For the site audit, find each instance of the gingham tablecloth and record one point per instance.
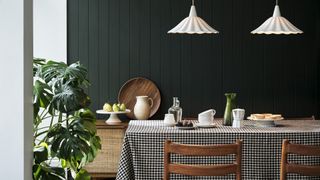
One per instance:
(142, 151)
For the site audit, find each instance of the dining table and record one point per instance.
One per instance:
(142, 150)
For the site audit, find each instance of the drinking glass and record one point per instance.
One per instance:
(238, 115)
(169, 119)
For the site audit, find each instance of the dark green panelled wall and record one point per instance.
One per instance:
(121, 39)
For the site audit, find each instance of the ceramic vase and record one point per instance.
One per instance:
(231, 104)
(143, 107)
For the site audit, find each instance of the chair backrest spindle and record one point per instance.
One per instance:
(201, 150)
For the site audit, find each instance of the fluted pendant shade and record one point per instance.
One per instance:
(277, 25)
(193, 24)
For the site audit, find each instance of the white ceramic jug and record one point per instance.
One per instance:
(143, 107)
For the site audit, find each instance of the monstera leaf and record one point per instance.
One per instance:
(42, 97)
(76, 143)
(68, 98)
(41, 94)
(40, 153)
(45, 172)
(74, 73)
(77, 74)
(37, 63)
(52, 70)
(41, 170)
(82, 175)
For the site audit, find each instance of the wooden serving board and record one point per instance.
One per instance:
(139, 86)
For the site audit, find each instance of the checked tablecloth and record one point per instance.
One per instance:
(142, 151)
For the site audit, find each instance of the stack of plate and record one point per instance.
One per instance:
(265, 119)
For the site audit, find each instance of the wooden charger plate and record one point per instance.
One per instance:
(139, 87)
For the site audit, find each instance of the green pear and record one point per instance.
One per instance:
(107, 107)
(123, 107)
(115, 108)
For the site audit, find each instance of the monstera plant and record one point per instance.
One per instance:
(64, 127)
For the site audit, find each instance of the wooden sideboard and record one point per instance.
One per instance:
(106, 163)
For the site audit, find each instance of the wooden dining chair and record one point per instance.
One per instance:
(201, 150)
(307, 150)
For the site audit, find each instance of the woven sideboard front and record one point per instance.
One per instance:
(107, 161)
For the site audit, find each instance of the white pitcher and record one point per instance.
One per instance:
(143, 107)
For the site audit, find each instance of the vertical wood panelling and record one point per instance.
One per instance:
(155, 34)
(237, 34)
(144, 38)
(207, 69)
(216, 60)
(228, 76)
(245, 38)
(114, 48)
(175, 50)
(93, 51)
(124, 56)
(257, 66)
(134, 37)
(120, 39)
(73, 25)
(165, 47)
(103, 70)
(83, 29)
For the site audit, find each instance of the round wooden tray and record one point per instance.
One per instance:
(139, 86)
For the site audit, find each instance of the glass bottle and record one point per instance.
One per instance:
(176, 110)
(227, 118)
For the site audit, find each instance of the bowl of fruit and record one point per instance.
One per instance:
(113, 111)
(185, 125)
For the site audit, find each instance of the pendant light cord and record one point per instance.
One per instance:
(276, 2)
(193, 2)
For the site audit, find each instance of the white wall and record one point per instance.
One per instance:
(50, 29)
(16, 52)
(16, 89)
(50, 33)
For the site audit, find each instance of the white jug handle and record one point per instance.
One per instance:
(151, 102)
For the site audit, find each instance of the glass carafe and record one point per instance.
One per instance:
(176, 110)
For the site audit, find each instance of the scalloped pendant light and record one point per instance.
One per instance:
(193, 24)
(277, 25)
